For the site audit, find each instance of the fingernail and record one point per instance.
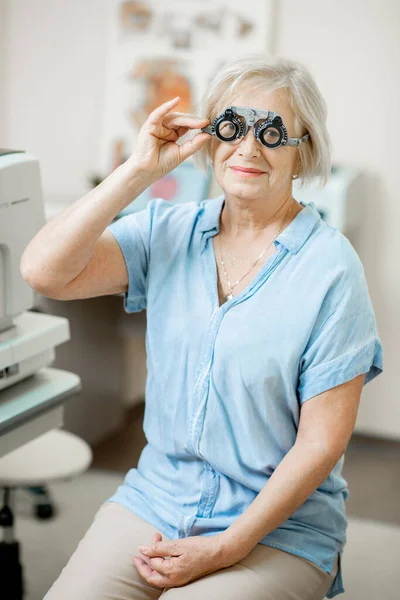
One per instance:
(143, 549)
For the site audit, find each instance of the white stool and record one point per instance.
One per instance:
(54, 455)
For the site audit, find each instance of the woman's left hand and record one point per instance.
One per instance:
(190, 558)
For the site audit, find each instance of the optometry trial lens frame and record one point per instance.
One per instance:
(271, 124)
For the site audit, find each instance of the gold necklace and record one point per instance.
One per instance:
(232, 286)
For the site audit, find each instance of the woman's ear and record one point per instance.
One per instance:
(212, 150)
(297, 165)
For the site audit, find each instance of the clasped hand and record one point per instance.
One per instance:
(177, 562)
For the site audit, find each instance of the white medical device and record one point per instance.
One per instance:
(27, 339)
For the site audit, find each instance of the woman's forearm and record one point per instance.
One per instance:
(297, 476)
(63, 247)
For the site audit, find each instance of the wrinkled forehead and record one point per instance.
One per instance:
(276, 101)
(251, 114)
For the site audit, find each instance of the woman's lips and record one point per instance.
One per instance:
(245, 173)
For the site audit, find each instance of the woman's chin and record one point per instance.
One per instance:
(244, 190)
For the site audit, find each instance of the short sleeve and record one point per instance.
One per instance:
(133, 233)
(344, 342)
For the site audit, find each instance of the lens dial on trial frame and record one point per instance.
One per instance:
(271, 133)
(233, 123)
(228, 126)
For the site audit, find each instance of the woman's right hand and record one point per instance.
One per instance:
(156, 150)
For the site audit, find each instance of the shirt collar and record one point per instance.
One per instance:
(293, 237)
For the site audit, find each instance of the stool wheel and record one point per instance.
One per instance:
(44, 511)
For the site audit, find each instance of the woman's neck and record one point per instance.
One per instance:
(247, 217)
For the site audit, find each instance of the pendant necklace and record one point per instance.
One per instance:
(232, 286)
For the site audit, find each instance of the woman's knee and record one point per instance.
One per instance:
(102, 566)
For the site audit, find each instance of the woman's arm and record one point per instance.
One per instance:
(62, 249)
(326, 424)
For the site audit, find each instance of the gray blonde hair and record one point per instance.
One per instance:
(263, 73)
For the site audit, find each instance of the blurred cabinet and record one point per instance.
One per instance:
(339, 202)
(106, 350)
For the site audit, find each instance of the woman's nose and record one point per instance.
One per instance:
(248, 145)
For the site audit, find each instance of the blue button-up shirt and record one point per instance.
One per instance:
(225, 383)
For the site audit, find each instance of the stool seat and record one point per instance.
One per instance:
(56, 454)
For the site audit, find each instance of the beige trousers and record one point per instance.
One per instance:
(102, 569)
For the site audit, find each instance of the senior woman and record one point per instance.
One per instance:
(260, 336)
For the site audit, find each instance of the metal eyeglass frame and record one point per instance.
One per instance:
(251, 117)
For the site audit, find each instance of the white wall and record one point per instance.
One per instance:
(353, 50)
(55, 87)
